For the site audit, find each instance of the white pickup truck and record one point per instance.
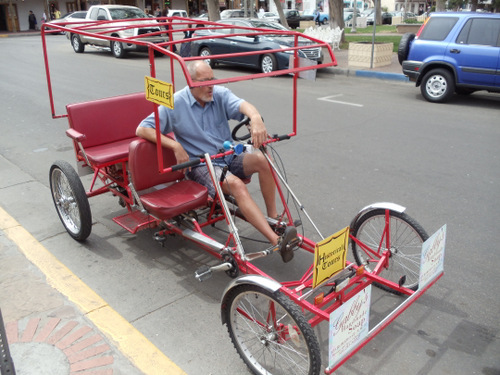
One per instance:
(116, 12)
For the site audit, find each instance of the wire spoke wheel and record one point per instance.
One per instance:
(405, 241)
(70, 200)
(270, 333)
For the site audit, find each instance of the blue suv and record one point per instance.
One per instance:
(453, 53)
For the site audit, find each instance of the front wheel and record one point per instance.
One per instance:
(117, 49)
(70, 199)
(437, 86)
(380, 230)
(270, 333)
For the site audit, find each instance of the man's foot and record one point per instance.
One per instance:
(287, 242)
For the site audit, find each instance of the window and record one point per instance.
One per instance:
(480, 31)
(438, 28)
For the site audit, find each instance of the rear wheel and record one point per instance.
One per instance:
(405, 241)
(270, 333)
(117, 49)
(268, 63)
(437, 86)
(204, 52)
(77, 44)
(70, 199)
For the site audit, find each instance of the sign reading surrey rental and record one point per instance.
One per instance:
(159, 92)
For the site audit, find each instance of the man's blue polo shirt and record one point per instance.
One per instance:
(199, 129)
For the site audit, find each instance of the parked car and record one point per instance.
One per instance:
(72, 17)
(237, 13)
(232, 44)
(292, 18)
(112, 13)
(270, 16)
(307, 15)
(177, 13)
(453, 52)
(386, 18)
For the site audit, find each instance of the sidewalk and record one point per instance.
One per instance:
(55, 324)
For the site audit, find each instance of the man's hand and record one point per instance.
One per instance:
(258, 131)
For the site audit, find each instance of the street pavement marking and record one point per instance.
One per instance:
(132, 343)
(330, 99)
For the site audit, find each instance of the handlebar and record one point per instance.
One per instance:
(185, 165)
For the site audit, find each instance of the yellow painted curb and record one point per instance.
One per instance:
(132, 343)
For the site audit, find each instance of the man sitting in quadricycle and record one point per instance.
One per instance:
(200, 125)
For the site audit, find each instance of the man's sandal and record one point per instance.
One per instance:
(287, 242)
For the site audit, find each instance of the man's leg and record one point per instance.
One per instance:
(257, 163)
(236, 187)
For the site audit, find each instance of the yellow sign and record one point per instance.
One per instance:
(159, 92)
(330, 256)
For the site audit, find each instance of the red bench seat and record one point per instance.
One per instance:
(106, 127)
(167, 202)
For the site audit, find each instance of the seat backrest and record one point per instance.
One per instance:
(143, 165)
(109, 120)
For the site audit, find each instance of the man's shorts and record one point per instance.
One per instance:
(201, 174)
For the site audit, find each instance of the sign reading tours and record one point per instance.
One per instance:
(330, 256)
(432, 260)
(159, 92)
(349, 325)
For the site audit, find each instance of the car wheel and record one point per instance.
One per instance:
(324, 22)
(404, 46)
(77, 44)
(437, 86)
(267, 63)
(117, 49)
(204, 52)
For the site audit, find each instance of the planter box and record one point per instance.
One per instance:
(360, 54)
(305, 24)
(408, 27)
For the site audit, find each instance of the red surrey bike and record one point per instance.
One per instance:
(270, 322)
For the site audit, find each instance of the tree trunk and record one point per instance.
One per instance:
(440, 5)
(279, 8)
(473, 5)
(213, 10)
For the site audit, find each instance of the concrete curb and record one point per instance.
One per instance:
(371, 74)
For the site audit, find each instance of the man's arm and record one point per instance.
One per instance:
(150, 134)
(258, 130)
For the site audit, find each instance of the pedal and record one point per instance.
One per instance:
(297, 223)
(402, 280)
(203, 273)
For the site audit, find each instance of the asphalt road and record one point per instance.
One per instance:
(359, 141)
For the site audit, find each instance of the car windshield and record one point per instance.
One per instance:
(126, 13)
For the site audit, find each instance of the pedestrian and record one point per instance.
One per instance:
(316, 16)
(32, 20)
(57, 14)
(200, 124)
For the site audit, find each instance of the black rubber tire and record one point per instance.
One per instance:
(205, 51)
(117, 49)
(70, 200)
(437, 86)
(404, 46)
(267, 347)
(77, 44)
(268, 63)
(407, 237)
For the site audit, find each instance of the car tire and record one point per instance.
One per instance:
(205, 51)
(77, 44)
(404, 46)
(117, 49)
(268, 63)
(325, 21)
(437, 86)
